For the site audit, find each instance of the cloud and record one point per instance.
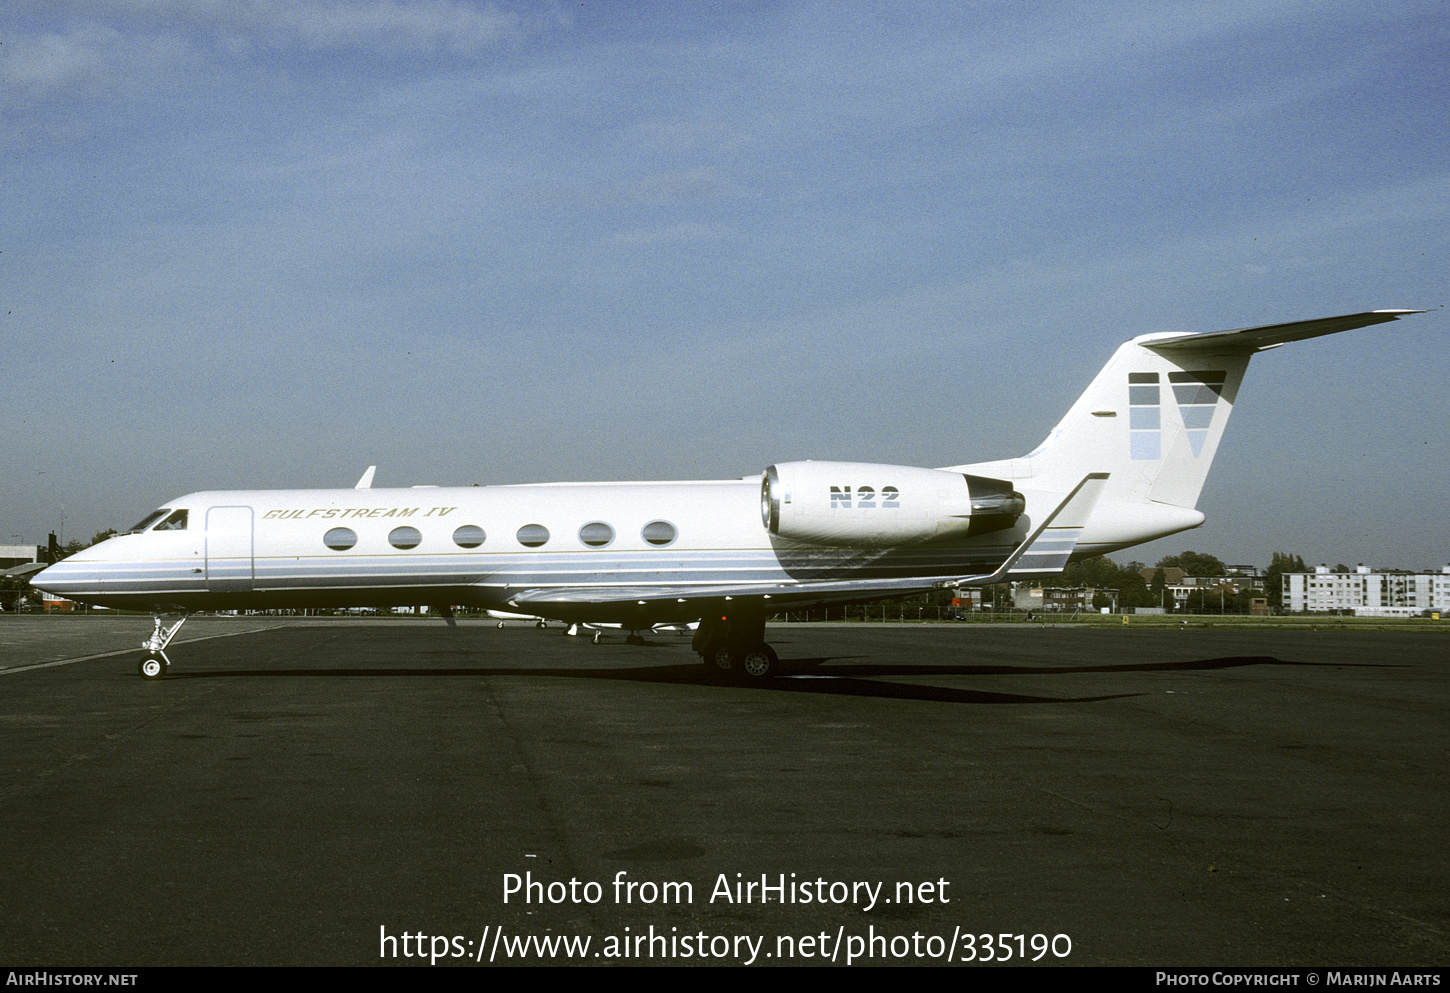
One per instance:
(90, 37)
(37, 64)
(382, 25)
(683, 186)
(673, 188)
(677, 233)
(675, 136)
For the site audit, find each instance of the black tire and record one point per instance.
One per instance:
(724, 660)
(759, 662)
(152, 667)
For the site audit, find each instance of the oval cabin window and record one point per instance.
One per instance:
(469, 536)
(659, 532)
(405, 537)
(596, 534)
(533, 535)
(340, 539)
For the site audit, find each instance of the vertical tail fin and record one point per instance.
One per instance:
(1152, 419)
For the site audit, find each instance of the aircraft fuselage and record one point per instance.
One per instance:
(256, 549)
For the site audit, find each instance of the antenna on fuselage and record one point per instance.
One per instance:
(366, 483)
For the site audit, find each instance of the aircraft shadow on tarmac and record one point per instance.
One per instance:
(844, 678)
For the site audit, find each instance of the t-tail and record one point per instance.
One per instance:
(1152, 420)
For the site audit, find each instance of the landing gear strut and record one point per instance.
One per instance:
(733, 644)
(575, 629)
(154, 666)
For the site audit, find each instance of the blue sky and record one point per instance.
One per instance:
(267, 244)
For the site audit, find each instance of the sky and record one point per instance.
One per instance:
(266, 244)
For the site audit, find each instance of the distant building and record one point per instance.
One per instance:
(1059, 598)
(1172, 575)
(13, 555)
(1366, 593)
(1181, 586)
(967, 598)
(1249, 577)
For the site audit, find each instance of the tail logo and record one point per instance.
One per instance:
(1196, 394)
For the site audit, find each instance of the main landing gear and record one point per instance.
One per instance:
(575, 629)
(733, 644)
(154, 666)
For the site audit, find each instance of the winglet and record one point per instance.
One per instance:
(366, 483)
(1049, 547)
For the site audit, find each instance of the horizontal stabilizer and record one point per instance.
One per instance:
(1273, 335)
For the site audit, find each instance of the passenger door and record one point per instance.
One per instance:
(229, 549)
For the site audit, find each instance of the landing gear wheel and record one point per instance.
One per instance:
(724, 659)
(152, 667)
(540, 625)
(597, 636)
(759, 662)
(500, 625)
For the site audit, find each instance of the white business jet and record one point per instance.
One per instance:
(1123, 467)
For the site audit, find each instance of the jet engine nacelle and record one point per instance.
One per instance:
(861, 504)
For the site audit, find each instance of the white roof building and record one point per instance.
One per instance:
(13, 555)
(1365, 593)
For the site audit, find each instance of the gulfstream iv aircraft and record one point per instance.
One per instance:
(1124, 466)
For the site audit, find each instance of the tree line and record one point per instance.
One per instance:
(1134, 590)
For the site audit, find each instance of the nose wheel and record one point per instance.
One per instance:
(154, 666)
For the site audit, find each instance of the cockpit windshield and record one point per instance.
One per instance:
(147, 521)
(176, 522)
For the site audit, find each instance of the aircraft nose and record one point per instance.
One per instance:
(61, 578)
(31, 572)
(50, 574)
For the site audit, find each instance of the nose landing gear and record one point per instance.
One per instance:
(154, 666)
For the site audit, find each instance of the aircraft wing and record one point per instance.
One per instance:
(1273, 335)
(1046, 549)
